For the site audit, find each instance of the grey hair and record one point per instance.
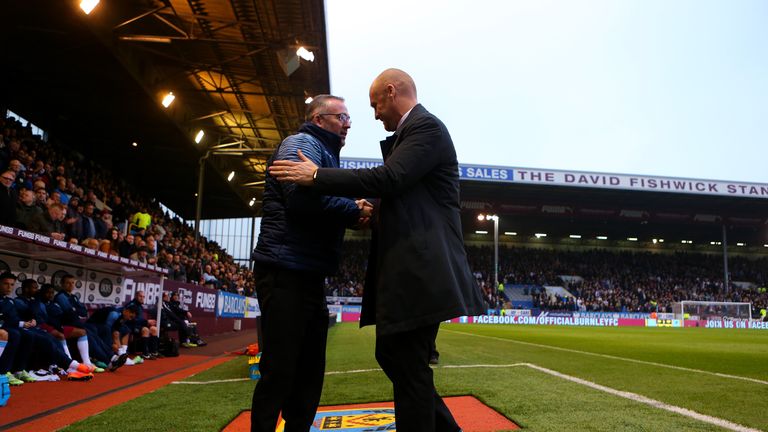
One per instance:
(318, 103)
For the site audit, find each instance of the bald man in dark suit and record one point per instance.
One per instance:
(418, 273)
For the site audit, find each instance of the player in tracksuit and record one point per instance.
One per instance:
(112, 324)
(52, 314)
(143, 332)
(8, 348)
(31, 341)
(73, 310)
(29, 307)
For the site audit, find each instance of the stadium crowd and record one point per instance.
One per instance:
(616, 281)
(598, 279)
(50, 190)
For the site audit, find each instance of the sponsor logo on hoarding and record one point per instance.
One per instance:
(206, 301)
(546, 320)
(231, 305)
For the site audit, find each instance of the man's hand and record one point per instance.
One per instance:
(301, 173)
(57, 236)
(30, 324)
(366, 210)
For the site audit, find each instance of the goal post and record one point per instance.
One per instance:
(707, 310)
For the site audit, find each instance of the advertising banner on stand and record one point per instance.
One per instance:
(230, 305)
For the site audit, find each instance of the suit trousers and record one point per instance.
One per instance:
(404, 357)
(294, 325)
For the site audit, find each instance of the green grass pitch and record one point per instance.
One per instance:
(701, 370)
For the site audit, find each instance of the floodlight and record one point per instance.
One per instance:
(135, 144)
(168, 99)
(308, 100)
(305, 54)
(253, 201)
(510, 233)
(481, 217)
(88, 5)
(602, 237)
(632, 238)
(288, 61)
(540, 235)
(575, 236)
(481, 232)
(231, 176)
(199, 136)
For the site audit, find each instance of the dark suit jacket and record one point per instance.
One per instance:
(417, 272)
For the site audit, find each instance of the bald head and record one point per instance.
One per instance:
(402, 82)
(392, 94)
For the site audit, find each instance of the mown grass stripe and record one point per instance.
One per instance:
(612, 357)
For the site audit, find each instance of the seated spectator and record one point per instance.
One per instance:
(88, 226)
(106, 247)
(178, 270)
(41, 198)
(141, 255)
(49, 223)
(127, 246)
(90, 243)
(208, 277)
(8, 199)
(26, 210)
(61, 188)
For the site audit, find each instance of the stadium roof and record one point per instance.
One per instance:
(96, 81)
(560, 212)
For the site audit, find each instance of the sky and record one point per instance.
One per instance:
(675, 88)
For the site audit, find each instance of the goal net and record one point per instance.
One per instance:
(712, 310)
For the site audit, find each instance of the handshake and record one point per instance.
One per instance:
(366, 211)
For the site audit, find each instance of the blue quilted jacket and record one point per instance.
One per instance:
(302, 229)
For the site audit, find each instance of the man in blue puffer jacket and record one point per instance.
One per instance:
(299, 245)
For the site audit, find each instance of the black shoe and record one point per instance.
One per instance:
(118, 362)
(434, 360)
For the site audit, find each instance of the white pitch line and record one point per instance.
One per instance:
(211, 382)
(608, 356)
(648, 401)
(353, 371)
(620, 393)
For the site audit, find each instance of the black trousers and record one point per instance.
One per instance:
(404, 357)
(294, 325)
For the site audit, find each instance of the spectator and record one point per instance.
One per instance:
(140, 221)
(141, 255)
(8, 199)
(49, 222)
(127, 246)
(26, 210)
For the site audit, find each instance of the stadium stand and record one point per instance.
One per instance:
(101, 212)
(591, 280)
